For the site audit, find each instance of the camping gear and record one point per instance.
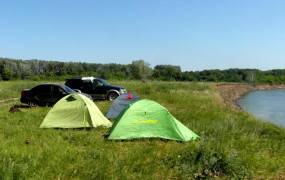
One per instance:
(120, 104)
(75, 111)
(17, 108)
(148, 119)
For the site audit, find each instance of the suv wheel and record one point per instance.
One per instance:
(112, 96)
(30, 103)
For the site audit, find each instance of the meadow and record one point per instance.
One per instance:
(232, 144)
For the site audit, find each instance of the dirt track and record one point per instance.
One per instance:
(4, 101)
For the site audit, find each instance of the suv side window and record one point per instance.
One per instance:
(74, 83)
(87, 86)
(97, 83)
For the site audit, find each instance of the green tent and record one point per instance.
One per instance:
(74, 111)
(148, 119)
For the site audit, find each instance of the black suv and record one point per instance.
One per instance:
(96, 87)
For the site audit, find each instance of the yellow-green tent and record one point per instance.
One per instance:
(75, 111)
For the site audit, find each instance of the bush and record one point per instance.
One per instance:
(204, 162)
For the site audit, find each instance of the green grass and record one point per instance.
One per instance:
(232, 144)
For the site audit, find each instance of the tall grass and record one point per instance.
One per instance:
(232, 144)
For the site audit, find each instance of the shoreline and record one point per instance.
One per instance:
(232, 92)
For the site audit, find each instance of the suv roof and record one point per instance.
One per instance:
(83, 78)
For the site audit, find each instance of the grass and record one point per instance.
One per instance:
(232, 145)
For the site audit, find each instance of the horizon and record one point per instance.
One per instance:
(152, 66)
(194, 35)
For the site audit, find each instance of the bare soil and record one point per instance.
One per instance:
(232, 92)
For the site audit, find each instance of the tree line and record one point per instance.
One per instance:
(12, 69)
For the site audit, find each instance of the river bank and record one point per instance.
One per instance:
(232, 92)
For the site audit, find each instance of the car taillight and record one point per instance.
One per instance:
(23, 93)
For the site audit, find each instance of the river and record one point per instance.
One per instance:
(268, 105)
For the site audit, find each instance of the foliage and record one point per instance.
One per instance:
(167, 72)
(140, 70)
(11, 69)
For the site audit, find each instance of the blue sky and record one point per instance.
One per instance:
(195, 34)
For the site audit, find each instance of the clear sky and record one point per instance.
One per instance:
(195, 34)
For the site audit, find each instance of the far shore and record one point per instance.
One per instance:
(232, 92)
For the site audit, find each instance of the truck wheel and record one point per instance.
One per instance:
(112, 96)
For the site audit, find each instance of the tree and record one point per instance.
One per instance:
(140, 69)
(167, 72)
(6, 74)
(250, 76)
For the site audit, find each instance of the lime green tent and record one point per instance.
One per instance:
(148, 119)
(74, 111)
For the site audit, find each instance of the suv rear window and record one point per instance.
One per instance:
(74, 83)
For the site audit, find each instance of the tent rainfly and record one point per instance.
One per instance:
(120, 104)
(148, 119)
(75, 111)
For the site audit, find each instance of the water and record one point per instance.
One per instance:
(268, 105)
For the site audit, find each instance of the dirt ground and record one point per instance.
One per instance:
(231, 92)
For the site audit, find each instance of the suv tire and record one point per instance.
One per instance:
(112, 96)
